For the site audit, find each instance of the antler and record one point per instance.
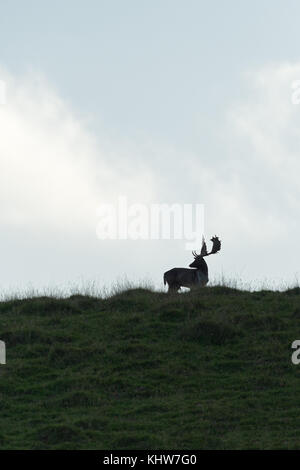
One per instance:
(215, 248)
(203, 250)
(216, 245)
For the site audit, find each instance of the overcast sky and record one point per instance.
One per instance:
(161, 101)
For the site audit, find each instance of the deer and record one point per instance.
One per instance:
(196, 277)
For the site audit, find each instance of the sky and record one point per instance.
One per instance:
(159, 102)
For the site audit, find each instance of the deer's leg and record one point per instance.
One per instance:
(173, 288)
(202, 279)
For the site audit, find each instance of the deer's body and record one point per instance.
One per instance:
(184, 277)
(191, 278)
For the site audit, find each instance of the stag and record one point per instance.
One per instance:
(192, 278)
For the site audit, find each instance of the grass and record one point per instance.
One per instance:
(147, 370)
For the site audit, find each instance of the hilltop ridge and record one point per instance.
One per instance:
(209, 369)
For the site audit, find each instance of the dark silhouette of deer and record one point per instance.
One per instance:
(192, 278)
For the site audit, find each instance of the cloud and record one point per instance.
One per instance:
(263, 133)
(54, 173)
(249, 182)
(261, 138)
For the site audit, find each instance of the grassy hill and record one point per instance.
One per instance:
(144, 370)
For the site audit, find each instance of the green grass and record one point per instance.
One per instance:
(147, 370)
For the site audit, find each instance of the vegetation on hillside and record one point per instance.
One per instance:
(209, 369)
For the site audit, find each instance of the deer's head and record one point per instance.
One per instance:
(198, 259)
